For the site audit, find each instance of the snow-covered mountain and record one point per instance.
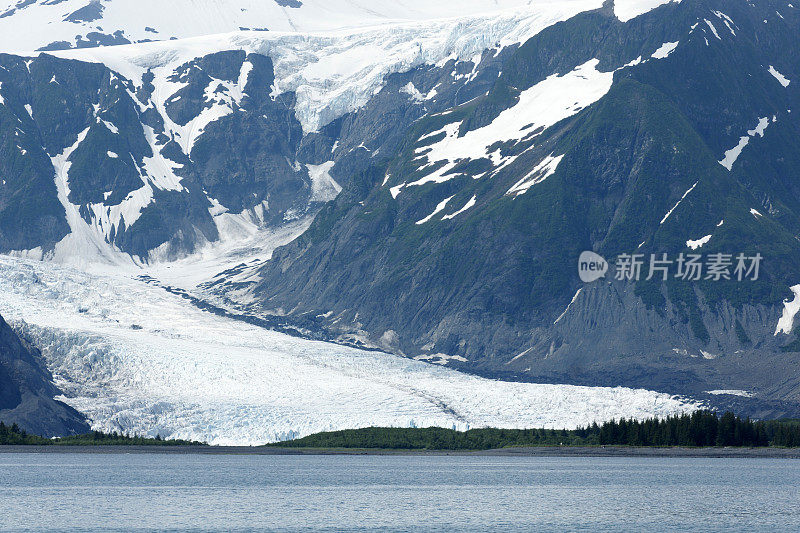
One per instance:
(166, 147)
(430, 173)
(673, 132)
(162, 148)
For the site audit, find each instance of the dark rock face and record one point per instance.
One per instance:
(150, 175)
(91, 11)
(129, 177)
(27, 391)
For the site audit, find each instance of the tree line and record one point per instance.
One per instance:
(699, 429)
(14, 435)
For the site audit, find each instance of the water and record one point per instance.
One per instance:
(98, 492)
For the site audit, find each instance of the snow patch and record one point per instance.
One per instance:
(695, 245)
(414, 93)
(440, 358)
(727, 21)
(783, 80)
(733, 154)
(569, 306)
(790, 309)
(469, 205)
(626, 10)
(731, 392)
(713, 28)
(395, 191)
(665, 50)
(541, 172)
(323, 187)
(541, 106)
(760, 128)
(679, 202)
(439, 208)
(111, 127)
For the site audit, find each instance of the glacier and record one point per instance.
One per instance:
(138, 359)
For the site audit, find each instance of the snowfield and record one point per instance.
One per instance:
(137, 20)
(539, 107)
(136, 358)
(336, 72)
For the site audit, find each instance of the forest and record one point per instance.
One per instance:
(14, 435)
(700, 429)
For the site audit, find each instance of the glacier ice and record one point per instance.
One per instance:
(323, 187)
(136, 358)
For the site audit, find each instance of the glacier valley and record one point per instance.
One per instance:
(137, 359)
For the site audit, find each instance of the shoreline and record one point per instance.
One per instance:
(554, 451)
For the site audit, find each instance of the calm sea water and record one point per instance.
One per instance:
(92, 492)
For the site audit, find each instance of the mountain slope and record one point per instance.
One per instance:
(162, 148)
(598, 135)
(454, 169)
